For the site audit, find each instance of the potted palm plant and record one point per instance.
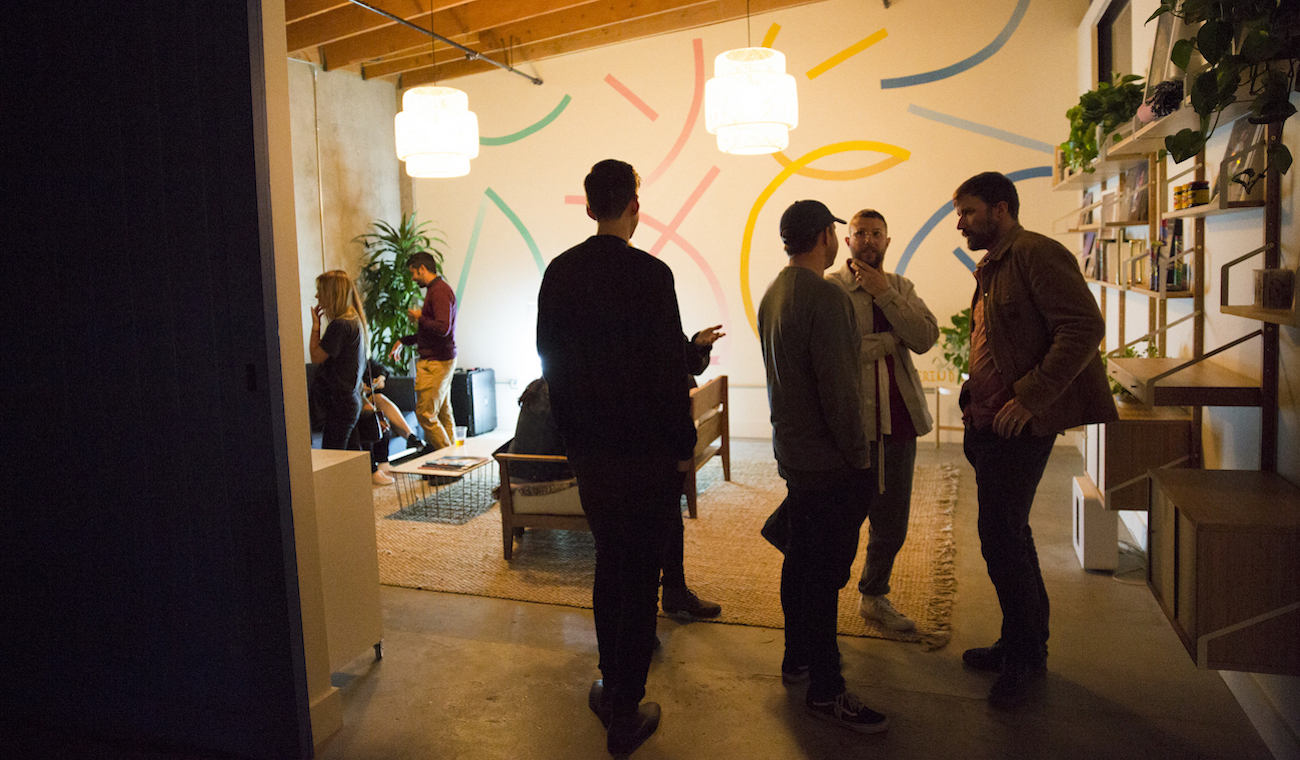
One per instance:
(387, 290)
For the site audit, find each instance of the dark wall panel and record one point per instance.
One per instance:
(147, 586)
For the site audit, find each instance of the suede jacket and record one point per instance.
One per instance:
(1044, 330)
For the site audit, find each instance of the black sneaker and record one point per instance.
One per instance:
(1016, 682)
(627, 731)
(595, 697)
(985, 658)
(847, 710)
(684, 603)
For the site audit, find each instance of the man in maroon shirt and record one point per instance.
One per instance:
(435, 337)
(1034, 372)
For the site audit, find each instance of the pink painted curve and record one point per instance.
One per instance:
(697, 100)
(632, 98)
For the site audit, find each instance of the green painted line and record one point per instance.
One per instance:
(473, 245)
(526, 131)
(519, 225)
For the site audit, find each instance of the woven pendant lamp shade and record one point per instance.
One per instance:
(436, 132)
(751, 103)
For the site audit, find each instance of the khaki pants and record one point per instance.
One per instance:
(433, 400)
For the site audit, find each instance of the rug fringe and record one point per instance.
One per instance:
(939, 607)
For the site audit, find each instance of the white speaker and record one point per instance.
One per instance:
(1096, 530)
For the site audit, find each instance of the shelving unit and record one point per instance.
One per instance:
(1224, 564)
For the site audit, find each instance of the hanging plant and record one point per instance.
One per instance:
(1251, 48)
(387, 289)
(1107, 107)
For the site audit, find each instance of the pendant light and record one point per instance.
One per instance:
(751, 104)
(436, 133)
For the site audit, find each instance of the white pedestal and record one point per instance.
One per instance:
(349, 556)
(1096, 530)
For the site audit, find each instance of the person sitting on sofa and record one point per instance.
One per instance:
(537, 433)
(378, 375)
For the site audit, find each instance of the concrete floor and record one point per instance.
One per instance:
(468, 678)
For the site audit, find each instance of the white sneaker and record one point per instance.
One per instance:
(381, 478)
(879, 609)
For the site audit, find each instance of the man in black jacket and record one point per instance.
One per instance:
(610, 338)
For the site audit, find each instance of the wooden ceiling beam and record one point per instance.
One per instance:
(693, 17)
(465, 18)
(300, 9)
(350, 19)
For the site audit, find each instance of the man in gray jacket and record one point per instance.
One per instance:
(810, 348)
(894, 323)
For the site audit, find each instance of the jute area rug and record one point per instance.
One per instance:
(727, 561)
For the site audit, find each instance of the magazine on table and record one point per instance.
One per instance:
(457, 463)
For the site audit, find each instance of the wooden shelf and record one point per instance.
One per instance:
(1157, 294)
(1200, 384)
(1209, 209)
(1289, 317)
(1105, 283)
(1102, 170)
(1151, 137)
(1224, 564)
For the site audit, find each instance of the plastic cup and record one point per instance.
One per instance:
(461, 432)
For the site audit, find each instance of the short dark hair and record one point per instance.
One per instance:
(611, 185)
(870, 213)
(422, 259)
(992, 188)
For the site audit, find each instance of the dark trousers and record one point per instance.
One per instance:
(675, 554)
(631, 504)
(889, 514)
(338, 419)
(1007, 471)
(823, 520)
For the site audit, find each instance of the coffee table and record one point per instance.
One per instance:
(451, 493)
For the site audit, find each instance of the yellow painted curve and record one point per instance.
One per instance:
(790, 168)
(897, 156)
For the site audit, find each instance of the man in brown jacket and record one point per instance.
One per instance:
(1034, 372)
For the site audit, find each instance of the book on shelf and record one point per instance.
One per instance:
(458, 464)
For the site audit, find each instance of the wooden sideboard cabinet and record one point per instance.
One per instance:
(1119, 454)
(1224, 564)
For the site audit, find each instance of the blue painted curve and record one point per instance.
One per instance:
(946, 209)
(960, 66)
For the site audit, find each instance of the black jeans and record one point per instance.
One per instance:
(630, 504)
(339, 419)
(1007, 472)
(823, 520)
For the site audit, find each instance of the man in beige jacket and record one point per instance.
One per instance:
(894, 323)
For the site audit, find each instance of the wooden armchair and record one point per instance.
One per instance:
(535, 505)
(712, 414)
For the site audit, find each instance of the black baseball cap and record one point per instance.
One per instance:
(804, 220)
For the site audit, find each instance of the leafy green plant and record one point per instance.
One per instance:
(387, 290)
(955, 343)
(1109, 106)
(1263, 62)
(1129, 352)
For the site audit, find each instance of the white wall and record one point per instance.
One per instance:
(1023, 89)
(345, 170)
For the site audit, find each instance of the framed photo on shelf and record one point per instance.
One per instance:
(1088, 253)
(1085, 217)
(1243, 161)
(1136, 190)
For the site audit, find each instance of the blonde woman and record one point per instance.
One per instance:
(341, 354)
